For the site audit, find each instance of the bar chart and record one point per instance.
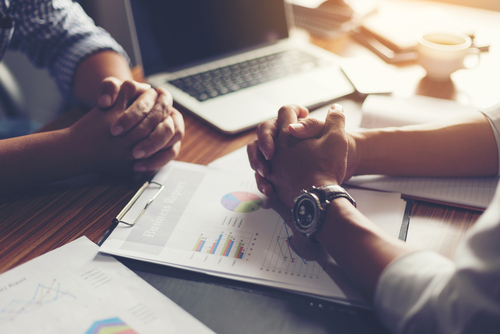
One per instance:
(225, 243)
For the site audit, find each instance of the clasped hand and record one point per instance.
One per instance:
(134, 128)
(294, 152)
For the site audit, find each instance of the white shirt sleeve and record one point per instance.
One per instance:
(424, 292)
(493, 115)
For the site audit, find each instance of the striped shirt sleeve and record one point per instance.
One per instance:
(58, 35)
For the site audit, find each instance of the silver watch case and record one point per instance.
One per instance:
(310, 207)
(308, 213)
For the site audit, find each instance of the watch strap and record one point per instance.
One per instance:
(332, 192)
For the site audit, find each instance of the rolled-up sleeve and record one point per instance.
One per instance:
(58, 35)
(424, 292)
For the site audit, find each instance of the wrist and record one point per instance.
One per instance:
(80, 152)
(335, 218)
(356, 144)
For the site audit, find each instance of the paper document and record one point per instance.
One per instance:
(383, 209)
(217, 222)
(473, 192)
(74, 290)
(385, 111)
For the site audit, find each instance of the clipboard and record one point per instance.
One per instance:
(119, 219)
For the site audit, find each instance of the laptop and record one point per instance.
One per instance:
(231, 62)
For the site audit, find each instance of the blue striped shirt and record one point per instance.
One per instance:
(56, 35)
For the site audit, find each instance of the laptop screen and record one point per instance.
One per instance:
(175, 34)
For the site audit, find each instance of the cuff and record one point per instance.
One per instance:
(407, 285)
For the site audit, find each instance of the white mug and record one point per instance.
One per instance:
(442, 53)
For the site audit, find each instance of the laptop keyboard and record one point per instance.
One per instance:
(224, 80)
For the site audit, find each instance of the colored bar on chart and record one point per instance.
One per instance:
(238, 253)
(226, 245)
(197, 245)
(215, 245)
(200, 247)
(229, 248)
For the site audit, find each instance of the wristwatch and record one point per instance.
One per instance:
(310, 207)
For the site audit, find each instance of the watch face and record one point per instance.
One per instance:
(305, 212)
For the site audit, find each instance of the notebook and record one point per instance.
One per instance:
(232, 63)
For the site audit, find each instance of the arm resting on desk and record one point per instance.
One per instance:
(461, 146)
(87, 146)
(414, 292)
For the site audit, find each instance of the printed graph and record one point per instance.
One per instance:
(110, 326)
(44, 294)
(295, 256)
(241, 202)
(229, 244)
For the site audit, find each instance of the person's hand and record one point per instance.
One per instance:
(95, 149)
(163, 144)
(297, 164)
(262, 150)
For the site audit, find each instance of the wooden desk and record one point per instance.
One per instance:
(42, 219)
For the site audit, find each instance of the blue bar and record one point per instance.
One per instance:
(202, 244)
(241, 256)
(230, 246)
(217, 244)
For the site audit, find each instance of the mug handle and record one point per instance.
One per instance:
(473, 52)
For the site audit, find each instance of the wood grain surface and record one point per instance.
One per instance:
(39, 220)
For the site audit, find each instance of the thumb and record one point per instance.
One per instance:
(109, 92)
(127, 94)
(110, 88)
(307, 128)
(335, 119)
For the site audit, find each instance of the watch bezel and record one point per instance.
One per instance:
(317, 213)
(320, 197)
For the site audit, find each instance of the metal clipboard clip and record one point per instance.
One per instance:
(134, 199)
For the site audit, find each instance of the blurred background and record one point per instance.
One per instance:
(37, 96)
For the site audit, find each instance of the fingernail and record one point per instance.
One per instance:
(260, 170)
(144, 86)
(139, 168)
(337, 107)
(116, 130)
(105, 100)
(265, 154)
(263, 190)
(138, 154)
(298, 127)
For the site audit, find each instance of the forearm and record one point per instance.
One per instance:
(93, 70)
(35, 159)
(464, 146)
(358, 246)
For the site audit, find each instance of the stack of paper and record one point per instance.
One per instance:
(384, 111)
(74, 290)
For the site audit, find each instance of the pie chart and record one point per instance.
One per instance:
(241, 202)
